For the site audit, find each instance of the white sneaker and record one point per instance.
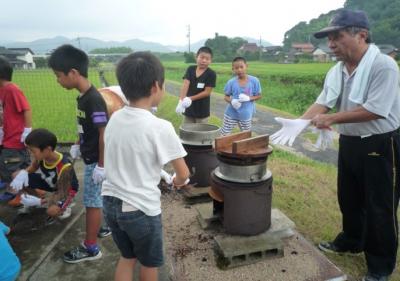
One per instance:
(66, 214)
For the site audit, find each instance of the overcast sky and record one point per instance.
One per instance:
(162, 21)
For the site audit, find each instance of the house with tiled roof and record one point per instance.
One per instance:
(21, 58)
(323, 53)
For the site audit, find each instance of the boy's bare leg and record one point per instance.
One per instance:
(124, 270)
(93, 222)
(148, 273)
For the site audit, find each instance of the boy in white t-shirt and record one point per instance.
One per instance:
(137, 145)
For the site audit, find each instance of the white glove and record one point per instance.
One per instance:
(1, 135)
(75, 151)
(180, 185)
(186, 102)
(25, 133)
(325, 138)
(179, 108)
(291, 128)
(30, 200)
(166, 177)
(98, 175)
(244, 98)
(236, 104)
(20, 180)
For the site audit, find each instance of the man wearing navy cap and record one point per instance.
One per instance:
(364, 88)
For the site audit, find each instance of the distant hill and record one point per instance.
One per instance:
(43, 46)
(46, 45)
(384, 16)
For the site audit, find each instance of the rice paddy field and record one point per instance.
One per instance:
(287, 87)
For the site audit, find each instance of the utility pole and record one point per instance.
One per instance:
(188, 36)
(79, 41)
(260, 50)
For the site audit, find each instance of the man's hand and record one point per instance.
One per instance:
(30, 200)
(20, 181)
(244, 98)
(322, 121)
(236, 104)
(75, 151)
(98, 175)
(291, 128)
(25, 133)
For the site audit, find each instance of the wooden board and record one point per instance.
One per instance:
(251, 146)
(224, 144)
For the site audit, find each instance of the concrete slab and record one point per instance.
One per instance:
(193, 254)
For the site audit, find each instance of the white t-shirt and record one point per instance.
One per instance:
(137, 145)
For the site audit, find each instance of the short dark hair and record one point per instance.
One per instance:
(67, 57)
(41, 138)
(239, 59)
(137, 73)
(206, 50)
(6, 69)
(353, 30)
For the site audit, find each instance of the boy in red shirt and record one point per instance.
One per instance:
(16, 122)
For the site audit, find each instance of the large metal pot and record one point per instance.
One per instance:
(242, 174)
(198, 134)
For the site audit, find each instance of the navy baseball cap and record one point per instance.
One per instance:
(344, 18)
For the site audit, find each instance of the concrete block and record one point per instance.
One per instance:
(236, 251)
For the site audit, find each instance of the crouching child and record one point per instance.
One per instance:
(50, 171)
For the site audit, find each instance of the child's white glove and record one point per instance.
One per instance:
(25, 133)
(98, 175)
(179, 185)
(75, 151)
(30, 200)
(325, 138)
(20, 180)
(236, 104)
(166, 177)
(244, 98)
(1, 135)
(291, 128)
(186, 102)
(179, 108)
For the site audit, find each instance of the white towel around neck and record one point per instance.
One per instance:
(333, 83)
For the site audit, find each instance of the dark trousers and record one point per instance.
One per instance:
(368, 194)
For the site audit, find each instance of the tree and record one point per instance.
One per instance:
(40, 62)
(224, 48)
(384, 17)
(112, 50)
(189, 57)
